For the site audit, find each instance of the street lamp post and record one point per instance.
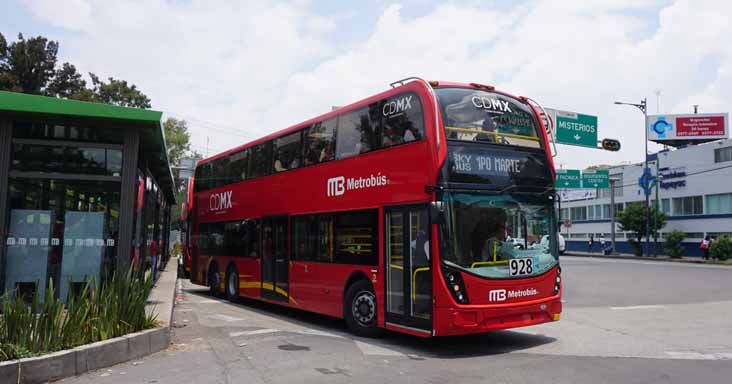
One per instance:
(612, 180)
(643, 108)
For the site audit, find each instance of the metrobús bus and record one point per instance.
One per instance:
(426, 209)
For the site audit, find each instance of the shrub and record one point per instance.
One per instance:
(97, 312)
(673, 244)
(637, 247)
(721, 248)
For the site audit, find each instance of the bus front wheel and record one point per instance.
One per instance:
(360, 309)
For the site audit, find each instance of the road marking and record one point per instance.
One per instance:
(632, 307)
(315, 332)
(375, 350)
(206, 301)
(691, 355)
(226, 318)
(254, 332)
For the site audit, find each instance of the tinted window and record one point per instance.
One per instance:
(355, 238)
(356, 132)
(475, 115)
(219, 172)
(202, 179)
(260, 163)
(66, 159)
(232, 238)
(27, 130)
(238, 165)
(319, 142)
(287, 152)
(403, 119)
(305, 238)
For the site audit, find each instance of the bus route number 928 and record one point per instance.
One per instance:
(521, 267)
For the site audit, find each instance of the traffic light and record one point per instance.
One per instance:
(611, 145)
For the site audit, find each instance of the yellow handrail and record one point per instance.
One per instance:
(414, 281)
(494, 133)
(499, 262)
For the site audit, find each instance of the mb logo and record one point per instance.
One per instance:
(336, 186)
(497, 295)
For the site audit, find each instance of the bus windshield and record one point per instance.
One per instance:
(476, 115)
(482, 234)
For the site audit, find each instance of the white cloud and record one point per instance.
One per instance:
(260, 66)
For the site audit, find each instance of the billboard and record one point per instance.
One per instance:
(688, 129)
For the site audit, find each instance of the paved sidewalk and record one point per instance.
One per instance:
(626, 256)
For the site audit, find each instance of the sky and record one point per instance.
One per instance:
(237, 70)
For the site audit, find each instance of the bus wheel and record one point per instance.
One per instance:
(214, 280)
(232, 284)
(360, 309)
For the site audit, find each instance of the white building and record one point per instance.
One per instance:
(695, 193)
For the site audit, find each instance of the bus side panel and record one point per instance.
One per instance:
(321, 287)
(249, 276)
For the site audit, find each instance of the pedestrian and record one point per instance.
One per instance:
(704, 246)
(590, 242)
(154, 258)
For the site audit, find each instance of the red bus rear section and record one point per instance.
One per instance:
(426, 209)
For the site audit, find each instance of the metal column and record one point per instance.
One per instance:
(6, 136)
(130, 154)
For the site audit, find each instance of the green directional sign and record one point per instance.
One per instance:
(576, 129)
(596, 179)
(568, 178)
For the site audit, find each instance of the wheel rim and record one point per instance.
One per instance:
(364, 308)
(233, 280)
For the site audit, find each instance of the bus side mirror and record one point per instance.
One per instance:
(437, 212)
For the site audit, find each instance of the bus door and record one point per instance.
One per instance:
(407, 263)
(275, 258)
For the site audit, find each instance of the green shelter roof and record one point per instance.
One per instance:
(21, 102)
(147, 122)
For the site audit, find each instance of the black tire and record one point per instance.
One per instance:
(360, 309)
(232, 284)
(214, 280)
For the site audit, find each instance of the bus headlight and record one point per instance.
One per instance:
(455, 285)
(558, 281)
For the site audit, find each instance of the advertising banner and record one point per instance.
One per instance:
(685, 129)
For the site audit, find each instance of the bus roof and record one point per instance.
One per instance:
(352, 106)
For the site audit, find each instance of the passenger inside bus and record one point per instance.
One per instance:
(488, 235)
(327, 153)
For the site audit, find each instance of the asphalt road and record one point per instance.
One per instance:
(624, 322)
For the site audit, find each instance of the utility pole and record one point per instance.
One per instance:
(612, 214)
(643, 106)
(655, 214)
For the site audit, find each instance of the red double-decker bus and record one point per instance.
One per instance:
(426, 209)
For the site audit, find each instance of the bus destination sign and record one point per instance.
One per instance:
(476, 164)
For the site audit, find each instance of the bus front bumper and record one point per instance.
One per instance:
(479, 319)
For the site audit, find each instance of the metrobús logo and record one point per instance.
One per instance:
(219, 201)
(337, 186)
(502, 294)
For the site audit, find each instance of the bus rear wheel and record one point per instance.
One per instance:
(232, 284)
(214, 280)
(360, 309)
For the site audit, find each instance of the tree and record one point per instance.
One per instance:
(633, 219)
(118, 92)
(177, 138)
(67, 83)
(27, 65)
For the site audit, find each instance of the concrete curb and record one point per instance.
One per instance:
(102, 354)
(630, 257)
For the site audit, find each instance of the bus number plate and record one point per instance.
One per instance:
(521, 267)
